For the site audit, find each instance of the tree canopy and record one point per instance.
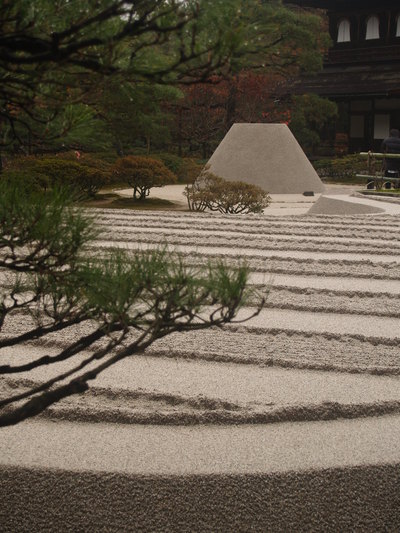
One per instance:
(53, 53)
(61, 61)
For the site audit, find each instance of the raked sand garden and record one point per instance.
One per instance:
(287, 422)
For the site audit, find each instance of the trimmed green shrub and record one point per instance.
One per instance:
(189, 170)
(142, 173)
(85, 175)
(94, 173)
(171, 161)
(25, 174)
(186, 169)
(341, 168)
(107, 157)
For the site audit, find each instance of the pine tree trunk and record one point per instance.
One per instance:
(180, 132)
(231, 102)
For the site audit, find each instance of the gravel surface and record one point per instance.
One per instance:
(333, 306)
(311, 384)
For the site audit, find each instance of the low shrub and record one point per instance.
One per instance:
(25, 173)
(93, 174)
(142, 174)
(189, 170)
(107, 157)
(171, 161)
(186, 169)
(231, 197)
(85, 175)
(341, 168)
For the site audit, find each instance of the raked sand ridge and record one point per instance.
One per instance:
(287, 422)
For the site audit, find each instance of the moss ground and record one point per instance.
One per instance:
(114, 201)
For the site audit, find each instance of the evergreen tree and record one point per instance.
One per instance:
(53, 56)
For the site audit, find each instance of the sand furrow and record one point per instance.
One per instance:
(158, 451)
(364, 269)
(326, 345)
(264, 243)
(286, 348)
(327, 322)
(323, 222)
(151, 233)
(115, 406)
(360, 285)
(198, 385)
(284, 231)
(326, 302)
(226, 251)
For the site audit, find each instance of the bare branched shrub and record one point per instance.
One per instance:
(232, 197)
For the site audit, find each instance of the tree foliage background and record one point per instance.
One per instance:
(110, 74)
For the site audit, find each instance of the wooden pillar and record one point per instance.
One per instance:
(371, 139)
(358, 36)
(389, 25)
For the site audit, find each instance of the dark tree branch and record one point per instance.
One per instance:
(79, 384)
(42, 331)
(82, 344)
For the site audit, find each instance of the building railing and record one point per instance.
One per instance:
(376, 179)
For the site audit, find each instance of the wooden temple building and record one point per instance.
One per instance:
(361, 70)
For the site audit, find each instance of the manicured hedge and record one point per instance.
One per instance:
(341, 168)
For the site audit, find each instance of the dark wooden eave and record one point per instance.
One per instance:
(344, 5)
(363, 82)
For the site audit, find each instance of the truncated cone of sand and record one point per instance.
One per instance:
(266, 155)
